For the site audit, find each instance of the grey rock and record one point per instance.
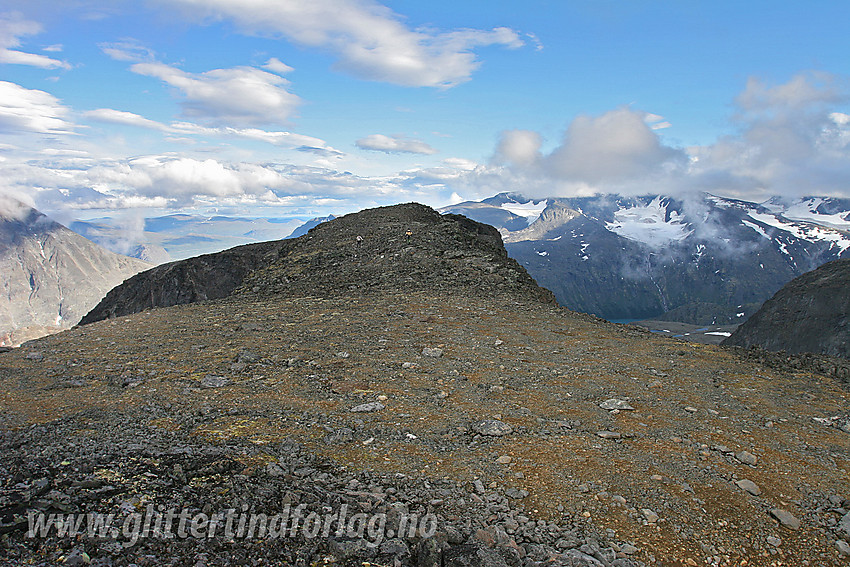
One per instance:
(748, 486)
(214, 381)
(575, 558)
(472, 555)
(774, 541)
(368, 407)
(651, 517)
(747, 458)
(616, 404)
(608, 434)
(843, 547)
(492, 427)
(432, 352)
(786, 518)
(516, 493)
(844, 524)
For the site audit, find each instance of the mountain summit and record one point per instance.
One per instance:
(50, 276)
(403, 247)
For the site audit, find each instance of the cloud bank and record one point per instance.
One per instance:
(789, 141)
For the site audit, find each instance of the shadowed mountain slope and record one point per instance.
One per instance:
(810, 314)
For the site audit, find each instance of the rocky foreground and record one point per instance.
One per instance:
(530, 434)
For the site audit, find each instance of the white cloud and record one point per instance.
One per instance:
(519, 147)
(31, 111)
(275, 65)
(369, 39)
(616, 146)
(282, 139)
(14, 204)
(12, 28)
(394, 144)
(791, 142)
(125, 118)
(128, 50)
(237, 96)
(616, 151)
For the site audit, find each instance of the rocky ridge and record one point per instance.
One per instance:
(810, 314)
(534, 435)
(403, 247)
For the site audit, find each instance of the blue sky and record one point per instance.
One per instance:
(309, 107)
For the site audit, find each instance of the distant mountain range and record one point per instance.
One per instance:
(51, 276)
(175, 237)
(701, 260)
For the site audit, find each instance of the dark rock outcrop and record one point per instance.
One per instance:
(809, 314)
(402, 247)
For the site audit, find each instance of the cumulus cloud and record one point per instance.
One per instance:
(519, 147)
(12, 28)
(369, 39)
(791, 141)
(616, 146)
(394, 144)
(618, 151)
(24, 110)
(236, 96)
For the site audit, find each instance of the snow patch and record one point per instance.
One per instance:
(530, 210)
(809, 233)
(807, 211)
(719, 333)
(756, 228)
(650, 224)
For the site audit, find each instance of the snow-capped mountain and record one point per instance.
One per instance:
(701, 259)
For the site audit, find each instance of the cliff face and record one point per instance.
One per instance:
(50, 276)
(403, 247)
(810, 314)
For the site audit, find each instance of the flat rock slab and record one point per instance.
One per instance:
(368, 407)
(492, 427)
(616, 404)
(608, 434)
(747, 458)
(786, 518)
(748, 486)
(214, 381)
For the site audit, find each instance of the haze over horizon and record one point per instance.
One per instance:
(296, 108)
